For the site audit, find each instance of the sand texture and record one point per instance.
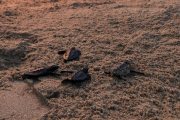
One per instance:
(19, 102)
(145, 32)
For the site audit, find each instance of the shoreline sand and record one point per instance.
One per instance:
(106, 32)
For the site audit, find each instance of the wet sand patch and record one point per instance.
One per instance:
(19, 102)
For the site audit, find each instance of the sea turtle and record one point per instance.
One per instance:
(78, 77)
(40, 71)
(71, 54)
(121, 69)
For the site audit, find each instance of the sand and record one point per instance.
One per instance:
(146, 32)
(19, 102)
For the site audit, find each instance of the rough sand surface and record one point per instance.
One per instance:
(146, 32)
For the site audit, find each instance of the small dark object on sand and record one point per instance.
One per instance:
(53, 95)
(70, 54)
(121, 70)
(40, 71)
(78, 77)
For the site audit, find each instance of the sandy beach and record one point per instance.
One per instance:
(145, 32)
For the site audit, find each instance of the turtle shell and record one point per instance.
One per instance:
(39, 71)
(71, 54)
(121, 69)
(77, 76)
